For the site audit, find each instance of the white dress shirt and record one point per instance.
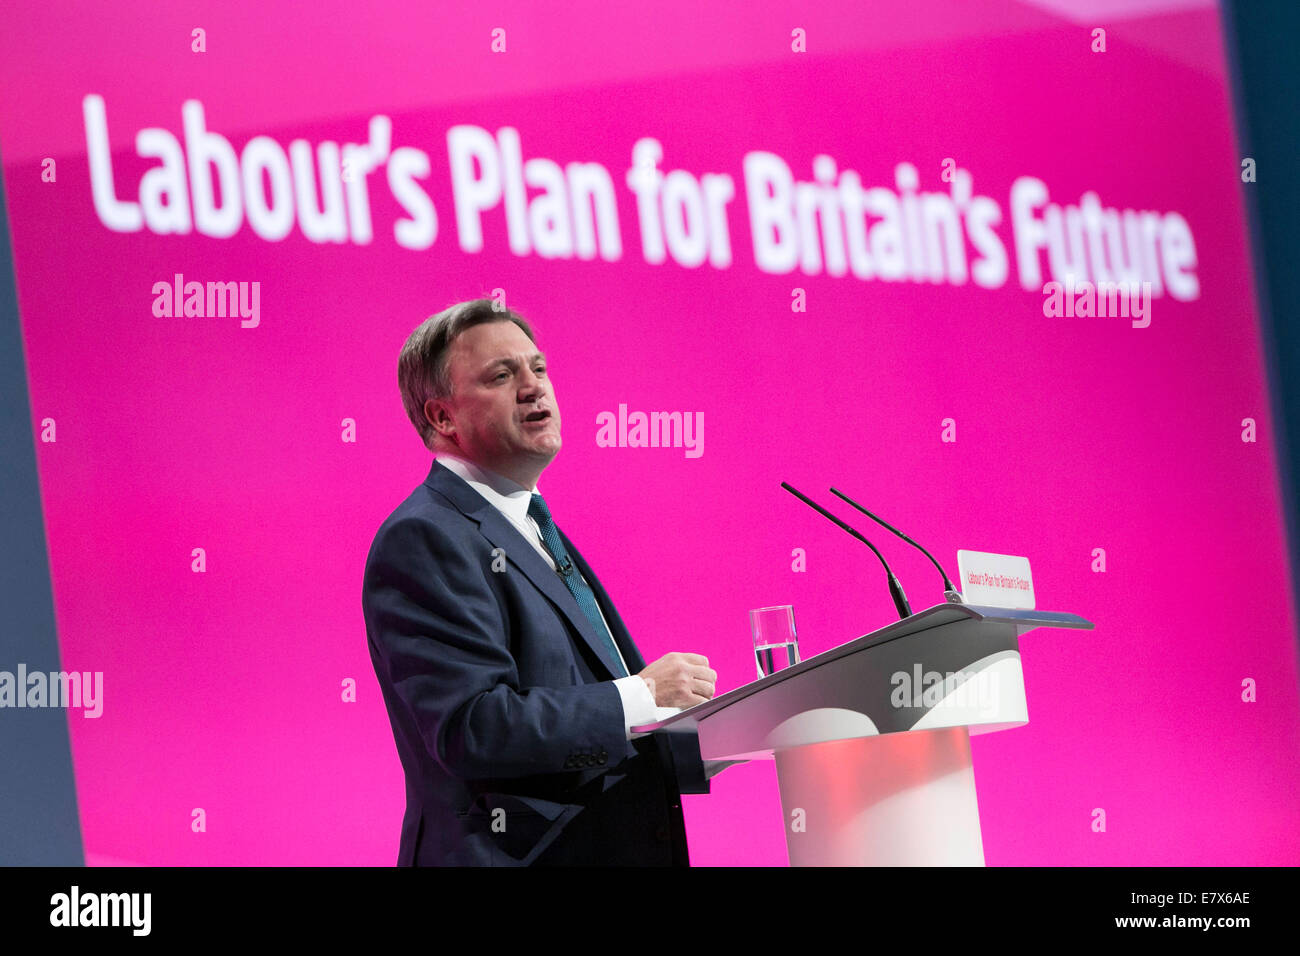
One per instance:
(512, 500)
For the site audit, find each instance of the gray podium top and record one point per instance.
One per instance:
(854, 690)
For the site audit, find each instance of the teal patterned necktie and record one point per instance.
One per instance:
(581, 592)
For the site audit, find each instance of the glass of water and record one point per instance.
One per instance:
(775, 644)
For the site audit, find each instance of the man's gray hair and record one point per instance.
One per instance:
(422, 367)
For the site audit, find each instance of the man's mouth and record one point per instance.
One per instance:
(537, 417)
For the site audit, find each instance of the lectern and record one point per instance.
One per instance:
(872, 739)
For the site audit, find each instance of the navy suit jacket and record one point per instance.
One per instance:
(507, 721)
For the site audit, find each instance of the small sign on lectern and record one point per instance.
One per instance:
(996, 580)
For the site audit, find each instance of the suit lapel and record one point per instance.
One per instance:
(519, 552)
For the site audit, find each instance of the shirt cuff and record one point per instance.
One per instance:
(639, 704)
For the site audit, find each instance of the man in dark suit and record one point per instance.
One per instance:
(511, 682)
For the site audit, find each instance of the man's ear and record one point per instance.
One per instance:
(435, 410)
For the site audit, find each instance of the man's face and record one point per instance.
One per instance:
(502, 405)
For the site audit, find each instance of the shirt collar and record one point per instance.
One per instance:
(507, 496)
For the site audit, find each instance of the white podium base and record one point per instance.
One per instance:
(902, 799)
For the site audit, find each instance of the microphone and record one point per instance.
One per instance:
(895, 589)
(950, 593)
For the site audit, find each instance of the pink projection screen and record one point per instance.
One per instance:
(853, 245)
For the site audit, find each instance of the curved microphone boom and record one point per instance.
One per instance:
(950, 592)
(895, 589)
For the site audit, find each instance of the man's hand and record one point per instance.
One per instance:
(680, 680)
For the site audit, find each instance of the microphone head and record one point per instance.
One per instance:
(953, 597)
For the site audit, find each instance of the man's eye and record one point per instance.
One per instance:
(541, 370)
(501, 375)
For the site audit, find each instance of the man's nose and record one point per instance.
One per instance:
(532, 382)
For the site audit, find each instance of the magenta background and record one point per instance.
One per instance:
(222, 689)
